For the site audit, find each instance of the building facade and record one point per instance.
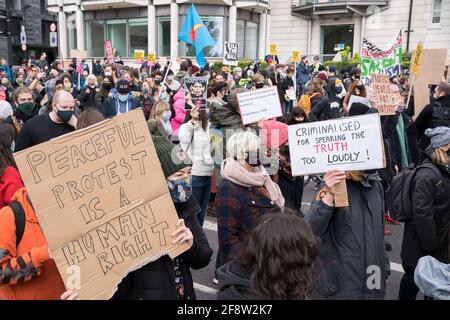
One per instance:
(320, 27)
(154, 25)
(33, 16)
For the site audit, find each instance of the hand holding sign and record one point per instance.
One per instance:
(183, 234)
(332, 179)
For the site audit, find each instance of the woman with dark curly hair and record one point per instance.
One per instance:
(277, 263)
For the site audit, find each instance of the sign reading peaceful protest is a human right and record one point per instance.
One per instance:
(347, 144)
(259, 105)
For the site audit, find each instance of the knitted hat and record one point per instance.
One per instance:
(332, 69)
(171, 156)
(274, 133)
(123, 86)
(322, 75)
(440, 136)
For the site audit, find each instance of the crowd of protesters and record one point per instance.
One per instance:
(269, 246)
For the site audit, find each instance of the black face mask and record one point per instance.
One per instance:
(106, 86)
(251, 161)
(259, 85)
(361, 87)
(64, 115)
(225, 98)
(158, 81)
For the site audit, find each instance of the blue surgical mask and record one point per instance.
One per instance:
(181, 189)
(167, 115)
(123, 98)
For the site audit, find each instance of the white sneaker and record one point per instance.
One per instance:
(215, 281)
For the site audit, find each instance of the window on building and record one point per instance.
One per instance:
(95, 38)
(16, 5)
(138, 35)
(215, 27)
(117, 33)
(46, 33)
(71, 34)
(251, 40)
(436, 13)
(164, 36)
(240, 37)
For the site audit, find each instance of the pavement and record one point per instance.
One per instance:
(207, 290)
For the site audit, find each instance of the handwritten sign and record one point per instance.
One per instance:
(347, 144)
(418, 54)
(273, 49)
(152, 58)
(380, 94)
(102, 202)
(109, 51)
(231, 54)
(296, 56)
(261, 104)
(139, 56)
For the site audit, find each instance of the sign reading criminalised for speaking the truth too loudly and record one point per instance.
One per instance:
(347, 144)
(102, 202)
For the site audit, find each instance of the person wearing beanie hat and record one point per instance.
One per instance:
(166, 278)
(121, 102)
(427, 234)
(322, 75)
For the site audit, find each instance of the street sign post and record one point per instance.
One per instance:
(53, 39)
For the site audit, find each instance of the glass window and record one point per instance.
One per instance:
(240, 37)
(16, 5)
(95, 38)
(215, 26)
(164, 36)
(436, 14)
(71, 35)
(138, 35)
(251, 40)
(117, 33)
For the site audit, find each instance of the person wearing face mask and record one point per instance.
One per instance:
(427, 234)
(104, 92)
(258, 81)
(166, 278)
(42, 128)
(88, 93)
(5, 89)
(19, 81)
(121, 102)
(159, 120)
(26, 108)
(434, 114)
(235, 78)
(245, 189)
(354, 75)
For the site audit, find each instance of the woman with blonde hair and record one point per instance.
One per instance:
(159, 121)
(428, 232)
(352, 264)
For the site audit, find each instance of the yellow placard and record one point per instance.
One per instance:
(152, 58)
(296, 56)
(139, 56)
(273, 49)
(415, 66)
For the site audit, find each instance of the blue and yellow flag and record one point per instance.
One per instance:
(195, 32)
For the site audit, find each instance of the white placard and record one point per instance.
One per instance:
(354, 99)
(347, 144)
(231, 54)
(259, 105)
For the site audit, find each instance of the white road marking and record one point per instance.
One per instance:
(397, 267)
(205, 289)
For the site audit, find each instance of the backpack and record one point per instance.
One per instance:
(19, 216)
(305, 102)
(441, 115)
(398, 195)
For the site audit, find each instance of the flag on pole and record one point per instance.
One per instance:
(195, 33)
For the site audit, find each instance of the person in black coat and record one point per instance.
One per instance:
(87, 94)
(277, 263)
(167, 279)
(120, 102)
(428, 232)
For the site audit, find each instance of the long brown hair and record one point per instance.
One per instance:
(280, 256)
(440, 157)
(89, 117)
(7, 135)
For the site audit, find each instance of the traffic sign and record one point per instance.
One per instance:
(23, 38)
(53, 27)
(23, 47)
(53, 39)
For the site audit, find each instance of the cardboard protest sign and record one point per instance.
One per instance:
(231, 54)
(78, 54)
(139, 56)
(375, 60)
(380, 94)
(259, 105)
(102, 202)
(354, 99)
(296, 56)
(197, 87)
(109, 51)
(347, 144)
(273, 49)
